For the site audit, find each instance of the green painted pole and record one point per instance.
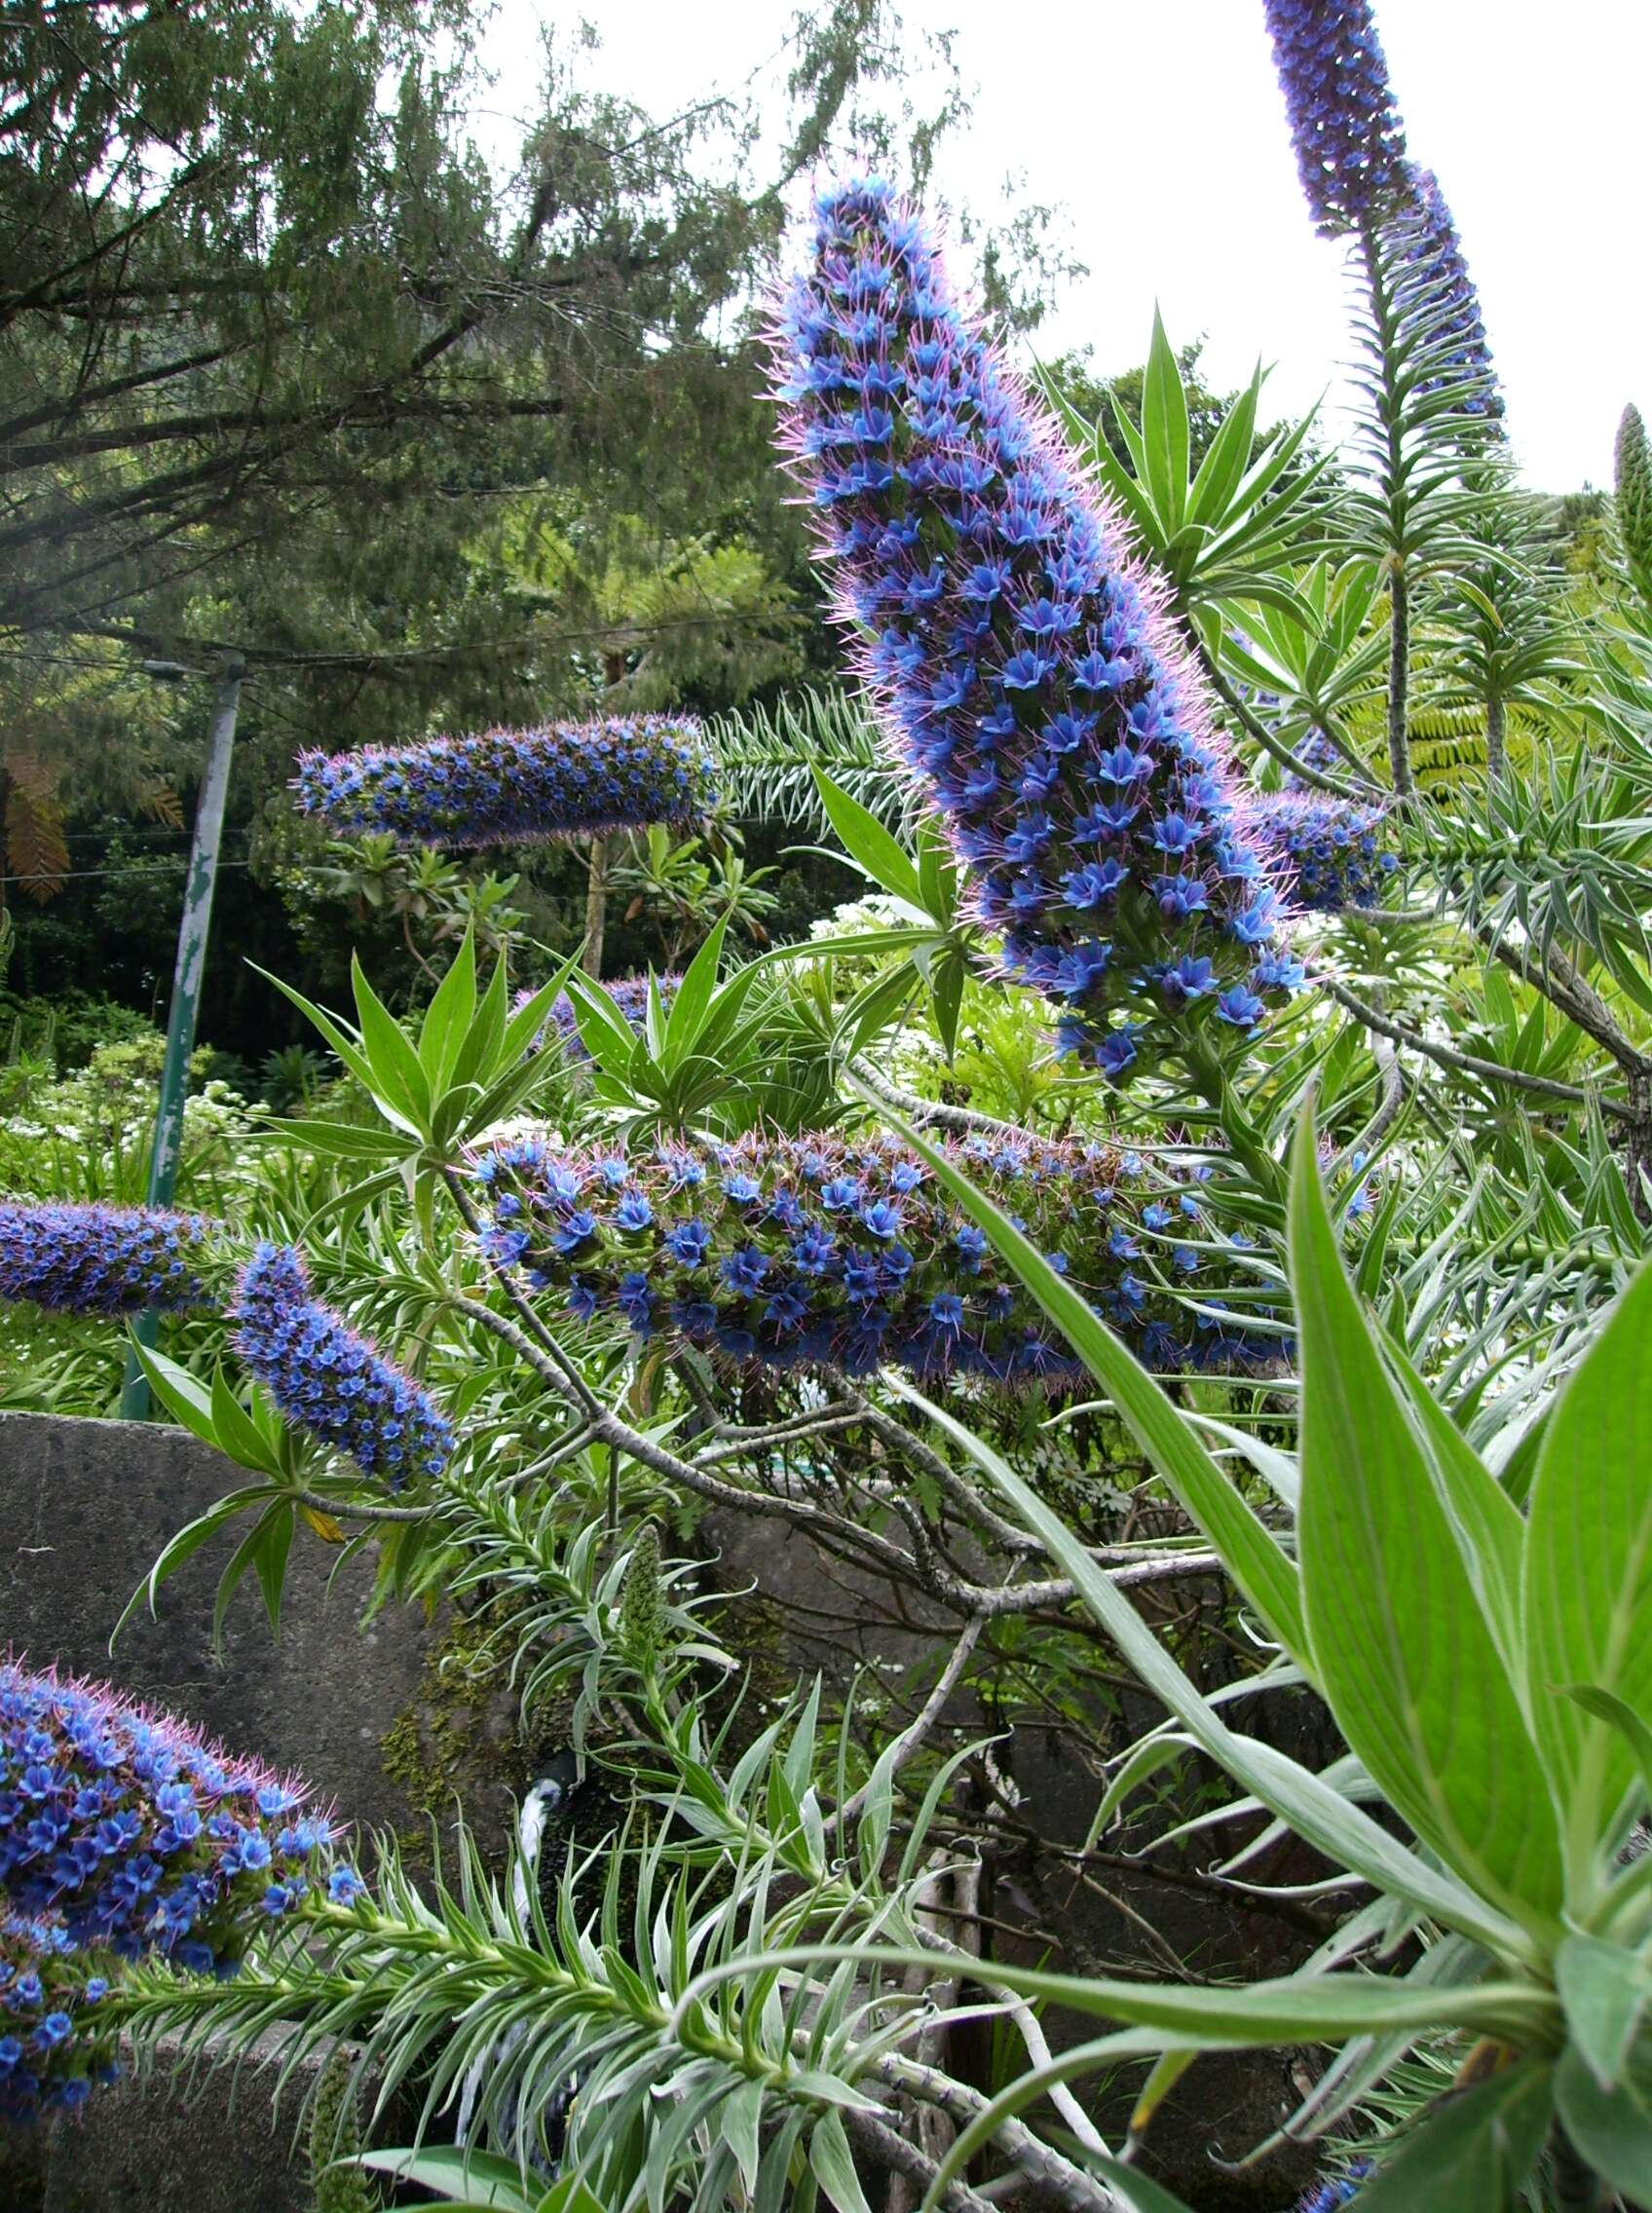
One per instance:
(186, 993)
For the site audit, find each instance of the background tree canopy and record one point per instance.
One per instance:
(434, 440)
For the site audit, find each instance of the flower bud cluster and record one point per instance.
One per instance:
(1019, 655)
(98, 1259)
(819, 1253)
(323, 1376)
(512, 787)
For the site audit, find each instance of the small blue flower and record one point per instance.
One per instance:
(633, 1214)
(743, 1270)
(689, 1243)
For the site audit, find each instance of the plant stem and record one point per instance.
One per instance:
(1399, 677)
(1306, 773)
(1392, 501)
(1496, 737)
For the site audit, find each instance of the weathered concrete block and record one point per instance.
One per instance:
(85, 1507)
(224, 2143)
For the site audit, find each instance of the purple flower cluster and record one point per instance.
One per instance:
(97, 1259)
(54, 2042)
(124, 1833)
(1019, 655)
(1327, 849)
(813, 1251)
(512, 787)
(1441, 307)
(1349, 140)
(629, 994)
(323, 1376)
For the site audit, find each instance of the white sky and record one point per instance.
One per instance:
(1159, 126)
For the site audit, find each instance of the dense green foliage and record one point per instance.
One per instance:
(1288, 1715)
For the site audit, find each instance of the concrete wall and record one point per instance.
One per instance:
(85, 1507)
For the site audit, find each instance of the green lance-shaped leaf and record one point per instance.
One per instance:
(1404, 1653)
(1587, 1582)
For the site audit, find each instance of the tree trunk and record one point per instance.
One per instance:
(596, 909)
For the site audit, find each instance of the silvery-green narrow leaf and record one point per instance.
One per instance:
(1490, 1533)
(1400, 1646)
(869, 845)
(448, 1016)
(833, 2161)
(1317, 1813)
(1252, 1555)
(1588, 1574)
(1166, 436)
(399, 1079)
(694, 995)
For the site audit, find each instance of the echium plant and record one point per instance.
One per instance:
(125, 1834)
(517, 786)
(1430, 452)
(815, 1252)
(1020, 655)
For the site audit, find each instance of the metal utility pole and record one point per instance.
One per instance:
(186, 991)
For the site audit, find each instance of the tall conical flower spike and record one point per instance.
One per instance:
(1350, 142)
(1016, 652)
(1632, 480)
(125, 1834)
(812, 1252)
(1440, 301)
(512, 787)
(629, 994)
(98, 1259)
(332, 1382)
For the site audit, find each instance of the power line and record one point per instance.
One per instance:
(89, 875)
